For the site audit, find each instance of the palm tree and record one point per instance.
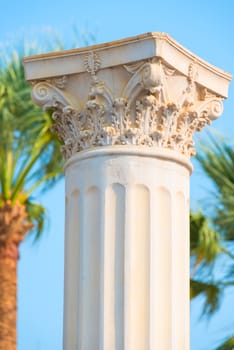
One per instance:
(30, 161)
(217, 161)
(205, 247)
(227, 345)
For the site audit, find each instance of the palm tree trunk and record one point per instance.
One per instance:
(8, 296)
(14, 225)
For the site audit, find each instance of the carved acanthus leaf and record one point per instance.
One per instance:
(146, 113)
(149, 76)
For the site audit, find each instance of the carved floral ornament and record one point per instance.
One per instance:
(146, 113)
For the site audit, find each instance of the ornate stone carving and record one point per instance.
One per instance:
(188, 95)
(150, 76)
(147, 112)
(47, 93)
(92, 63)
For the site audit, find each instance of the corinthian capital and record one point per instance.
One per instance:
(146, 91)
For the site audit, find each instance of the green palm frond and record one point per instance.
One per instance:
(205, 247)
(30, 157)
(37, 215)
(227, 345)
(28, 150)
(205, 244)
(212, 293)
(217, 162)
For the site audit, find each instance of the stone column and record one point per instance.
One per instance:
(126, 112)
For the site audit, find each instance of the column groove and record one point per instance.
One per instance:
(113, 279)
(137, 268)
(160, 297)
(90, 274)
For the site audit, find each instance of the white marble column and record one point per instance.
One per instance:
(126, 112)
(127, 249)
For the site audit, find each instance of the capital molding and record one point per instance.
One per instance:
(146, 103)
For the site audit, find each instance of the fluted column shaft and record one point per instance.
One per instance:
(127, 250)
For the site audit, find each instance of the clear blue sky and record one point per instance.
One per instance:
(206, 27)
